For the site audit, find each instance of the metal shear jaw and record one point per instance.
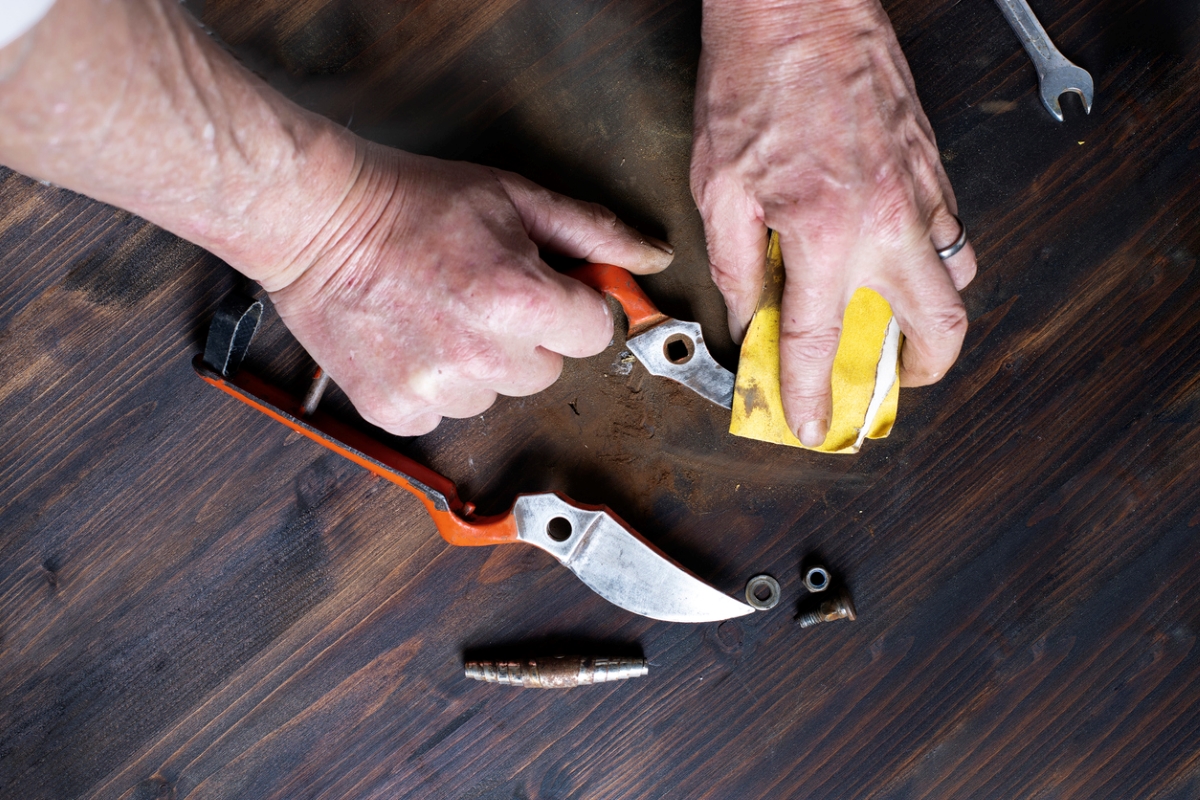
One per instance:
(667, 347)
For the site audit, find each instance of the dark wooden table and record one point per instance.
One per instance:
(194, 603)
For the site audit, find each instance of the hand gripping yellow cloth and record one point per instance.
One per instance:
(866, 385)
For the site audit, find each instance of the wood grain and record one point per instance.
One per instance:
(196, 603)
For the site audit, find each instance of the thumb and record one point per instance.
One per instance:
(582, 230)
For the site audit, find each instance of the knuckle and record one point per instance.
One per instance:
(481, 405)
(540, 375)
(803, 402)
(396, 418)
(916, 374)
(476, 362)
(517, 300)
(949, 322)
(549, 374)
(598, 338)
(802, 395)
(740, 293)
(727, 277)
(786, 215)
(927, 358)
(824, 222)
(732, 274)
(703, 160)
(603, 216)
(965, 272)
(893, 202)
(472, 406)
(539, 310)
(803, 406)
(712, 182)
(810, 346)
(417, 426)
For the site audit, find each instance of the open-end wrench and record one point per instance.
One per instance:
(1055, 73)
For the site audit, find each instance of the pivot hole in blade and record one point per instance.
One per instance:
(559, 529)
(678, 349)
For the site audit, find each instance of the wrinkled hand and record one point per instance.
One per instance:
(424, 296)
(808, 123)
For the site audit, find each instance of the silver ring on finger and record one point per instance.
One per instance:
(959, 243)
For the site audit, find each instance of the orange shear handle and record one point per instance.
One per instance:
(454, 519)
(619, 284)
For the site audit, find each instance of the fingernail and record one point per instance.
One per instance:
(661, 245)
(813, 432)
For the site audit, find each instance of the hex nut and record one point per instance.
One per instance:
(816, 579)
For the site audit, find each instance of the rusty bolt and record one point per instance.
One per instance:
(838, 607)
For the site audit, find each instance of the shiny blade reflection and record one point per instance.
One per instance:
(618, 565)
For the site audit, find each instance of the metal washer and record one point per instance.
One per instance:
(759, 582)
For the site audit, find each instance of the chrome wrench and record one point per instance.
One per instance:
(1055, 73)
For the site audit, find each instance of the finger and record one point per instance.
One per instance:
(945, 226)
(529, 306)
(501, 363)
(414, 424)
(945, 229)
(519, 371)
(457, 399)
(407, 405)
(931, 316)
(468, 403)
(737, 247)
(534, 370)
(810, 327)
(417, 426)
(579, 322)
(583, 230)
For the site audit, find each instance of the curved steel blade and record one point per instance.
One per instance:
(617, 564)
(676, 350)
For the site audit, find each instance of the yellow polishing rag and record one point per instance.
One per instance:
(866, 385)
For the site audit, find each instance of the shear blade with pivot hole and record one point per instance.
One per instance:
(668, 348)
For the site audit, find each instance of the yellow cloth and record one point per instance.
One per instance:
(866, 385)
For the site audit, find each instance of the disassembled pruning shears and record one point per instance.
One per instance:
(593, 542)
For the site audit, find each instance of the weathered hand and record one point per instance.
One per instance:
(424, 296)
(808, 123)
(415, 283)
